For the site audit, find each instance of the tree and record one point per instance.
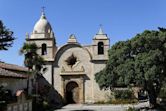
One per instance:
(32, 60)
(5, 97)
(6, 37)
(35, 64)
(140, 61)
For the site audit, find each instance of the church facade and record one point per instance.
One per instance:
(71, 68)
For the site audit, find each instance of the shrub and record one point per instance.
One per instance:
(5, 98)
(121, 97)
(123, 94)
(118, 101)
(101, 102)
(131, 109)
(162, 93)
(123, 101)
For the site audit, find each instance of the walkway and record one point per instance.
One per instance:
(85, 107)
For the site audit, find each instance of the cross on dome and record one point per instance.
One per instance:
(43, 10)
(42, 26)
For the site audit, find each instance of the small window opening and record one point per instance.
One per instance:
(44, 49)
(100, 48)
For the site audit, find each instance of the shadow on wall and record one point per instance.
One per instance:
(48, 93)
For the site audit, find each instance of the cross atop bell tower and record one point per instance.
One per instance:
(101, 45)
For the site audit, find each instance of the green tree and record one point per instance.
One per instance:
(33, 61)
(140, 61)
(6, 37)
(35, 64)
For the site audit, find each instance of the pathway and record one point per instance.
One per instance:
(86, 107)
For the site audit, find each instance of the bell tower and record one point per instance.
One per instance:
(101, 44)
(44, 38)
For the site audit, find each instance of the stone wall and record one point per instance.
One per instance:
(23, 106)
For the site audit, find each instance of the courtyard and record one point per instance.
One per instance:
(102, 107)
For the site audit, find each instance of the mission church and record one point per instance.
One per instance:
(71, 68)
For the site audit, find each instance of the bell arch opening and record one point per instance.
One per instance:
(100, 48)
(72, 93)
(44, 49)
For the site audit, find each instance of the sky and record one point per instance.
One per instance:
(120, 19)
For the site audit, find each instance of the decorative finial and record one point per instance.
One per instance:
(100, 30)
(72, 36)
(72, 39)
(27, 35)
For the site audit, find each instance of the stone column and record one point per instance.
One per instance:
(63, 87)
(81, 85)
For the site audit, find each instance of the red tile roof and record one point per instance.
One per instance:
(7, 73)
(12, 67)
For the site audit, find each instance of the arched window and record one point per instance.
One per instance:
(100, 48)
(44, 49)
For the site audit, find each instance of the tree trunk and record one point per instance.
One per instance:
(28, 85)
(152, 99)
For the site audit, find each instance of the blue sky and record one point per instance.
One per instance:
(121, 20)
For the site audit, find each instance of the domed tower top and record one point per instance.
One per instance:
(42, 26)
(44, 38)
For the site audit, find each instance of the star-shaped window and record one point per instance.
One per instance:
(71, 60)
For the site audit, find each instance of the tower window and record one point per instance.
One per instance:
(100, 48)
(44, 49)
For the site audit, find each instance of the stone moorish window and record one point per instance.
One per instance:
(100, 48)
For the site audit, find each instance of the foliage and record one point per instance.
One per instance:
(123, 94)
(131, 109)
(162, 93)
(101, 102)
(140, 61)
(6, 37)
(35, 64)
(32, 59)
(118, 101)
(5, 97)
(2, 98)
(123, 101)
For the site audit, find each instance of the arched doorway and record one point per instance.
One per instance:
(72, 93)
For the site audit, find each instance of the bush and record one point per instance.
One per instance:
(123, 101)
(2, 106)
(131, 109)
(5, 98)
(123, 94)
(121, 97)
(162, 93)
(118, 101)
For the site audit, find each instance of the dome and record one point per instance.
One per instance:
(42, 25)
